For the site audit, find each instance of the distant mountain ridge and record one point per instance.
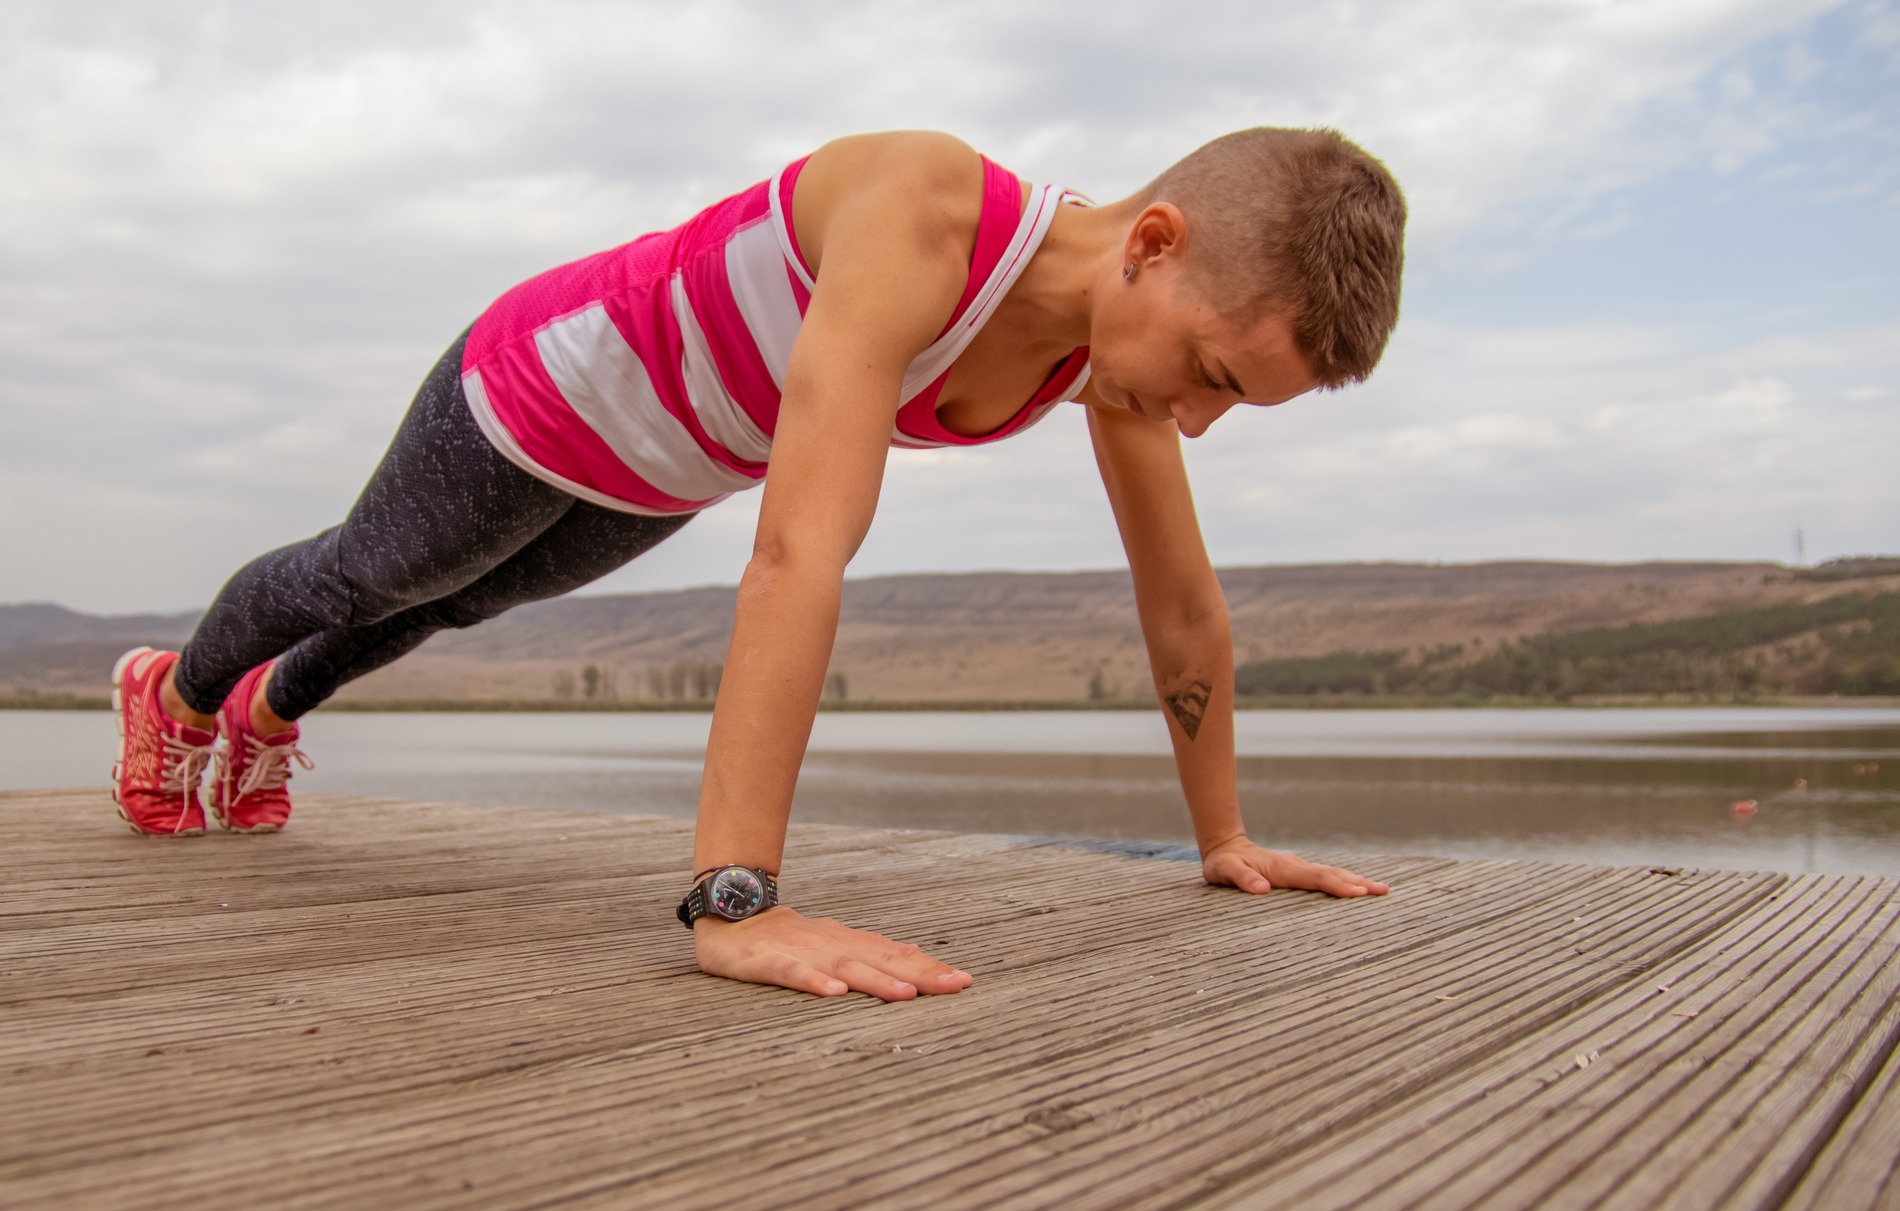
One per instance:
(42, 622)
(985, 636)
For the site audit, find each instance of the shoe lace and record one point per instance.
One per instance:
(181, 768)
(267, 765)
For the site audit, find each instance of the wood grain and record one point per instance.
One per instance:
(433, 1005)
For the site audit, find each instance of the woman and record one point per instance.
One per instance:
(890, 289)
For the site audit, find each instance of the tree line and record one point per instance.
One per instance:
(682, 681)
(1845, 645)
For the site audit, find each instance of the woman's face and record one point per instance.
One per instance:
(1159, 349)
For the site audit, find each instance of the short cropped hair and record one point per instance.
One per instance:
(1300, 221)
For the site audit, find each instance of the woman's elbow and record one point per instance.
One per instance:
(776, 567)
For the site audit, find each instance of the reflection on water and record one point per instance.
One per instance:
(1655, 787)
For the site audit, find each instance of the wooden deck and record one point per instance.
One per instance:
(419, 1005)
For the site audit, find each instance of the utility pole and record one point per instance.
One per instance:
(1800, 549)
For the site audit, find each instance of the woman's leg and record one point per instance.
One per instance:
(441, 510)
(586, 543)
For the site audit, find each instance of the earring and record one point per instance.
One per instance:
(1128, 272)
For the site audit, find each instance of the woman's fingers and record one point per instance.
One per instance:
(1257, 870)
(1237, 871)
(1251, 881)
(914, 966)
(1346, 883)
(862, 977)
(952, 980)
(896, 972)
(1343, 883)
(789, 972)
(821, 956)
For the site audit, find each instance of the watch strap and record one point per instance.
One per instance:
(693, 906)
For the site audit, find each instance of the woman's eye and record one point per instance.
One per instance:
(1207, 380)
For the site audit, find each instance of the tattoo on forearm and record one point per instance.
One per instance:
(1189, 706)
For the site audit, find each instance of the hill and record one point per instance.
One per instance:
(1847, 644)
(1035, 636)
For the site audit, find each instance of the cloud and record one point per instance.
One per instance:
(1713, 453)
(234, 237)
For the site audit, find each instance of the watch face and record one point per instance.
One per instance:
(737, 893)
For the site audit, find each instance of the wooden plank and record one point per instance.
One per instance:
(450, 1006)
(350, 850)
(1308, 1059)
(1859, 1167)
(1788, 1083)
(1531, 1127)
(197, 1174)
(884, 1120)
(196, 1063)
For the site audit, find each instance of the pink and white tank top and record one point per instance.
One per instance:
(646, 378)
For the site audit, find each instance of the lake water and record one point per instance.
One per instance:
(1638, 786)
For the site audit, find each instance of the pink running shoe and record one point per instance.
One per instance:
(248, 794)
(161, 761)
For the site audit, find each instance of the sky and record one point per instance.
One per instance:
(1652, 298)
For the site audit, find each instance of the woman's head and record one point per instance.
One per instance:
(1266, 263)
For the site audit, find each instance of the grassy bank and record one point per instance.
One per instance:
(1848, 645)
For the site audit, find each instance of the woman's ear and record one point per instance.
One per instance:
(1159, 231)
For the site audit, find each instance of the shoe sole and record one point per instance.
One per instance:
(118, 724)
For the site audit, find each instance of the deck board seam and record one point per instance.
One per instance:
(932, 1103)
(1582, 890)
(1817, 890)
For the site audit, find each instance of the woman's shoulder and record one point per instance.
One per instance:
(927, 158)
(934, 179)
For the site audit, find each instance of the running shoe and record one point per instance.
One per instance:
(248, 792)
(161, 761)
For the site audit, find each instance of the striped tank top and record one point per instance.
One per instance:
(646, 378)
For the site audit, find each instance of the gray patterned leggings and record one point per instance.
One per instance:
(447, 533)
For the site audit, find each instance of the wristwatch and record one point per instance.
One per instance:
(731, 893)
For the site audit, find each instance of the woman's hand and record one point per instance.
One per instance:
(1240, 863)
(818, 955)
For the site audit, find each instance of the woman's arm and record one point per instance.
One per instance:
(894, 217)
(1191, 650)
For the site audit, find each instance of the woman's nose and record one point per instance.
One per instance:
(1194, 417)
